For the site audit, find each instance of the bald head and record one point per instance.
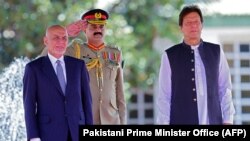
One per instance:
(54, 27)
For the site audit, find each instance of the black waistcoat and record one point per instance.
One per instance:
(184, 97)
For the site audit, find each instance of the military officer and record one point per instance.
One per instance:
(104, 66)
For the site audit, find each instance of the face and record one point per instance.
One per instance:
(95, 33)
(191, 26)
(56, 41)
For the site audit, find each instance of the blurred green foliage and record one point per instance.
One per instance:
(140, 22)
(133, 25)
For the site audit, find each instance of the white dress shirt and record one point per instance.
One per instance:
(163, 102)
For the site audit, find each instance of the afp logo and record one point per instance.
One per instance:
(233, 133)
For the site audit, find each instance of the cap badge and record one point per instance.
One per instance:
(98, 15)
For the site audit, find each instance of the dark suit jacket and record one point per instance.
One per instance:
(49, 114)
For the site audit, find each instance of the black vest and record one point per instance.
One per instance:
(184, 98)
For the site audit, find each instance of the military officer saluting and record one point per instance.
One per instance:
(104, 66)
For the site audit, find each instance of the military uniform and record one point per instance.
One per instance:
(106, 82)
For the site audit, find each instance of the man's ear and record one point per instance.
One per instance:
(45, 40)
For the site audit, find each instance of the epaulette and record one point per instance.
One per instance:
(76, 41)
(85, 44)
(76, 44)
(113, 47)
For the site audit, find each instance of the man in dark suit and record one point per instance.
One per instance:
(56, 92)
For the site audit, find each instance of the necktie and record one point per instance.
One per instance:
(60, 75)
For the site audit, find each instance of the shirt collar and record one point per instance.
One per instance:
(195, 47)
(192, 47)
(53, 59)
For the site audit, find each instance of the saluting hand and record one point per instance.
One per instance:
(75, 28)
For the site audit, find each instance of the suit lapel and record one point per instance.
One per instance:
(49, 71)
(68, 67)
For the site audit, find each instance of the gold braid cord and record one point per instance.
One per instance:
(95, 63)
(92, 64)
(78, 50)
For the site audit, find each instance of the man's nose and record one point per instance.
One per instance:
(61, 41)
(99, 29)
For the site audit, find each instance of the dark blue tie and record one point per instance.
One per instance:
(60, 75)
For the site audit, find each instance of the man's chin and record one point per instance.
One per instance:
(60, 52)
